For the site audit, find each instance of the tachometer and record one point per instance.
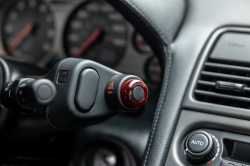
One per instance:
(27, 30)
(97, 32)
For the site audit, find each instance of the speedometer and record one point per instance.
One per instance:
(27, 30)
(97, 32)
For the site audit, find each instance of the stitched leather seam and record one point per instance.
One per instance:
(167, 60)
(164, 85)
(160, 103)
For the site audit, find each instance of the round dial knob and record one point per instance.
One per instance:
(134, 93)
(200, 147)
(126, 93)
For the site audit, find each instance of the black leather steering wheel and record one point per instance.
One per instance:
(159, 22)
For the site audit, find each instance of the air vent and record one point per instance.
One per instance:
(224, 84)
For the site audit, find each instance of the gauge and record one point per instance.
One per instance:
(97, 32)
(153, 69)
(27, 30)
(140, 44)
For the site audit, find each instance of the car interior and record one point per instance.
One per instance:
(124, 82)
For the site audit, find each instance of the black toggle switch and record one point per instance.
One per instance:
(27, 93)
(75, 93)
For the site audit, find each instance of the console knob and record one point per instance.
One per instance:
(27, 94)
(134, 93)
(200, 147)
(36, 92)
(126, 93)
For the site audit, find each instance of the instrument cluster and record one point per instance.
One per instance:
(43, 32)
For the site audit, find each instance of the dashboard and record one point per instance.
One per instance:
(197, 112)
(40, 33)
(43, 32)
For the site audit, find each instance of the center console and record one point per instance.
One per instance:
(198, 129)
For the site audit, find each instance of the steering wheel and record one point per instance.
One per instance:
(159, 22)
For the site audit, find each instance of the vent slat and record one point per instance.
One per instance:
(218, 95)
(237, 79)
(227, 67)
(207, 83)
(225, 76)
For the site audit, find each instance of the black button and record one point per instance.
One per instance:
(63, 77)
(198, 143)
(138, 93)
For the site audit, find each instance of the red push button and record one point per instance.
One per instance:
(125, 93)
(134, 93)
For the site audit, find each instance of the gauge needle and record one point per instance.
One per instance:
(20, 37)
(87, 43)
